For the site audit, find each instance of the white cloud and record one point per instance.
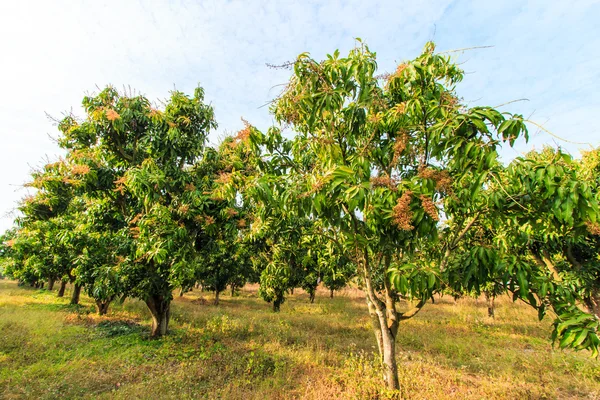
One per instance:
(54, 52)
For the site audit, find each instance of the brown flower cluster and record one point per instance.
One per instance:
(401, 69)
(242, 223)
(10, 243)
(400, 108)
(135, 231)
(136, 219)
(54, 165)
(443, 182)
(375, 118)
(190, 187)
(384, 181)
(244, 133)
(397, 73)
(429, 207)
(319, 183)
(209, 220)
(402, 214)
(120, 185)
(112, 115)
(183, 209)
(448, 100)
(230, 212)
(593, 228)
(223, 178)
(154, 112)
(29, 199)
(400, 145)
(80, 169)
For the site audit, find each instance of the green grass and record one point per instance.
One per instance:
(241, 350)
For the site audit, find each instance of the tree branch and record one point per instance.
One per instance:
(544, 260)
(411, 313)
(457, 239)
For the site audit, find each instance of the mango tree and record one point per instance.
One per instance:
(541, 241)
(148, 153)
(382, 161)
(38, 246)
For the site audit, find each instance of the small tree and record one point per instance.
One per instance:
(542, 241)
(38, 247)
(148, 156)
(379, 161)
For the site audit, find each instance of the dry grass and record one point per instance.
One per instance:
(241, 350)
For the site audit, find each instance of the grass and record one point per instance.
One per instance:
(241, 350)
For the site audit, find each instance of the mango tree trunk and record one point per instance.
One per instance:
(50, 283)
(61, 290)
(103, 305)
(331, 293)
(384, 321)
(160, 308)
(76, 294)
(490, 304)
(277, 302)
(216, 298)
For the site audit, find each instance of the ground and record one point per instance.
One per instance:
(242, 350)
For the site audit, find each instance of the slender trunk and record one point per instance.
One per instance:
(50, 283)
(489, 298)
(292, 291)
(76, 294)
(277, 303)
(312, 296)
(385, 324)
(160, 308)
(103, 306)
(331, 293)
(376, 326)
(389, 360)
(232, 290)
(181, 292)
(432, 300)
(61, 290)
(592, 303)
(216, 297)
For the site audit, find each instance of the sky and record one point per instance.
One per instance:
(52, 53)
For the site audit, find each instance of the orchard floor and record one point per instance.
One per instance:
(242, 350)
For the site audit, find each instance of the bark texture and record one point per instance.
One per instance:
(489, 298)
(103, 306)
(76, 294)
(160, 308)
(61, 290)
(385, 321)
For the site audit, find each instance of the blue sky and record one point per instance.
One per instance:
(54, 52)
